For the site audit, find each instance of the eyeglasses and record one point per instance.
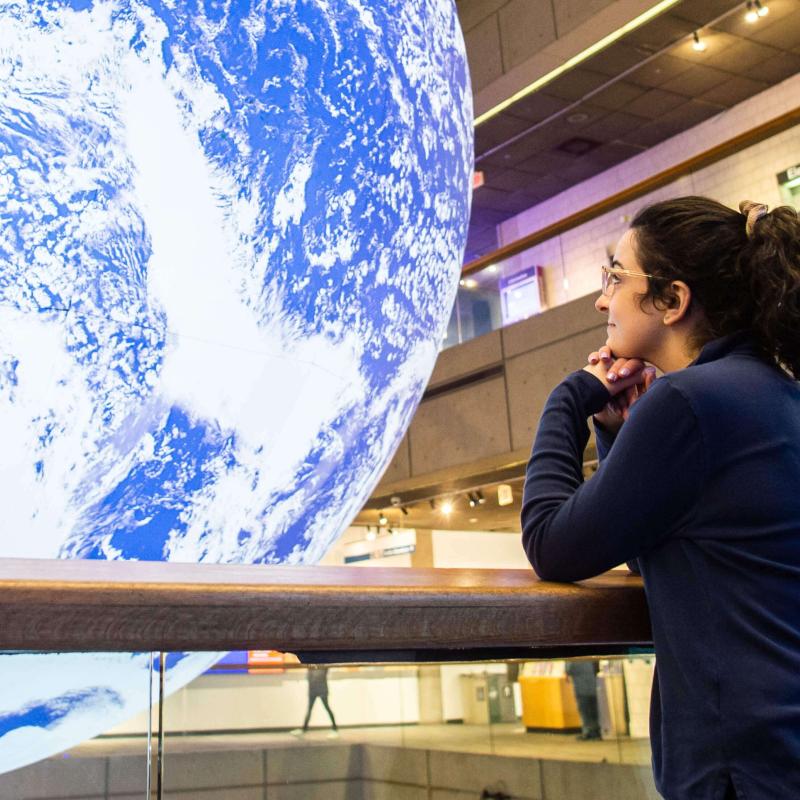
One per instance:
(608, 272)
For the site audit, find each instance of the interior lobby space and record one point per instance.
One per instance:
(409, 652)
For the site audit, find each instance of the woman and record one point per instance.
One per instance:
(699, 482)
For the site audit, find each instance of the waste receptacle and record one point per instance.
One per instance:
(548, 704)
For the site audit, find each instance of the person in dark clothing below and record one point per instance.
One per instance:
(698, 484)
(583, 675)
(317, 689)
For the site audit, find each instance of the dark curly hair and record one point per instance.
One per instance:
(742, 283)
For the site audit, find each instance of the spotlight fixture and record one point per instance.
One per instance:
(481, 498)
(447, 507)
(473, 499)
(755, 9)
(404, 510)
(698, 44)
(370, 537)
(382, 519)
(432, 503)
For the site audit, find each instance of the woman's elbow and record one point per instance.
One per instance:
(548, 566)
(531, 541)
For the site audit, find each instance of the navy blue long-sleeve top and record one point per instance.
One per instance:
(702, 487)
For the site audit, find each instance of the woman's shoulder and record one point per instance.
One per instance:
(736, 389)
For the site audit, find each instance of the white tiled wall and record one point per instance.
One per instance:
(748, 175)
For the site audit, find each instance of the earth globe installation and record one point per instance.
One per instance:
(230, 239)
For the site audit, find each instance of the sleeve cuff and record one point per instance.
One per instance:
(605, 439)
(591, 391)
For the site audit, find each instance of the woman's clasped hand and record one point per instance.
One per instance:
(627, 379)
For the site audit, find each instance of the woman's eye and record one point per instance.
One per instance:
(615, 279)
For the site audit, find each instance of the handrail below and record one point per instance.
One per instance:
(337, 613)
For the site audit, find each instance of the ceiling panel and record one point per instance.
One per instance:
(498, 129)
(655, 103)
(614, 126)
(546, 163)
(733, 91)
(783, 34)
(538, 106)
(581, 170)
(662, 31)
(617, 96)
(691, 113)
(652, 134)
(608, 155)
(576, 83)
(779, 68)
(658, 71)
(544, 186)
(699, 12)
(511, 180)
(697, 79)
(617, 58)
(743, 55)
(486, 197)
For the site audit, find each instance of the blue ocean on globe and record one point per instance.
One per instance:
(230, 239)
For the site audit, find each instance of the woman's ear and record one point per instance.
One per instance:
(679, 304)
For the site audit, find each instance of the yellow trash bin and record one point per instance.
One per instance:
(548, 704)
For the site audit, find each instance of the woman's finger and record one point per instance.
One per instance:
(624, 368)
(593, 357)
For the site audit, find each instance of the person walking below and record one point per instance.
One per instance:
(318, 689)
(698, 484)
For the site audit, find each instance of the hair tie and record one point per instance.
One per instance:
(754, 212)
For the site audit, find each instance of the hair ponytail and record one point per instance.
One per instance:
(743, 268)
(772, 260)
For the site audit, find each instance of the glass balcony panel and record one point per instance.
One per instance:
(494, 728)
(51, 701)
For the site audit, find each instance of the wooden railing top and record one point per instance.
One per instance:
(341, 613)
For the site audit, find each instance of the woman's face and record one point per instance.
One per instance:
(635, 329)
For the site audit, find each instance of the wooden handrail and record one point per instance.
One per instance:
(352, 614)
(717, 153)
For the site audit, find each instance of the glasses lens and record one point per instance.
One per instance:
(604, 280)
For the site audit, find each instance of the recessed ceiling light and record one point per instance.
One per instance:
(577, 117)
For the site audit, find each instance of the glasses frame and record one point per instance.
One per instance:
(607, 288)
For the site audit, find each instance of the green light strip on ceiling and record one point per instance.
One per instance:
(636, 22)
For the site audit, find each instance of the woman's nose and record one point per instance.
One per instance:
(601, 304)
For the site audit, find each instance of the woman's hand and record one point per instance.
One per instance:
(626, 378)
